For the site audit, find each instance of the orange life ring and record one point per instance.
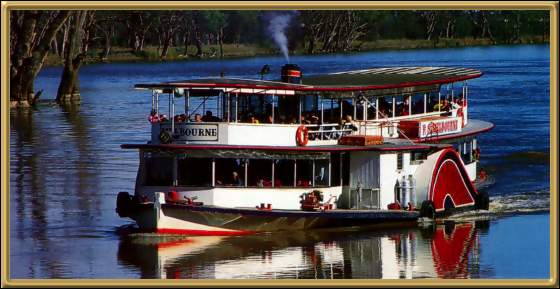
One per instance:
(302, 136)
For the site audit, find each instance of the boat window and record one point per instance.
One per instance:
(335, 169)
(304, 173)
(432, 104)
(288, 109)
(284, 173)
(196, 172)
(399, 161)
(321, 173)
(417, 157)
(230, 172)
(402, 105)
(159, 169)
(418, 103)
(259, 173)
(385, 107)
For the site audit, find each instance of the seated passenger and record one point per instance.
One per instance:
(277, 183)
(304, 184)
(253, 119)
(180, 118)
(269, 119)
(162, 118)
(197, 117)
(209, 117)
(235, 180)
(349, 123)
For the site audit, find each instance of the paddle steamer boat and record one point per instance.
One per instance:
(380, 146)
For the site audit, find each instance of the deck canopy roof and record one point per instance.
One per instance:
(375, 81)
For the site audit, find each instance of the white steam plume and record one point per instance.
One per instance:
(277, 28)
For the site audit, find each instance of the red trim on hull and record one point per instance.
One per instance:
(273, 148)
(199, 232)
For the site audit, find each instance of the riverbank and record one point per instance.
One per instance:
(152, 54)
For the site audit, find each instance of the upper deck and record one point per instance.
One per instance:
(417, 104)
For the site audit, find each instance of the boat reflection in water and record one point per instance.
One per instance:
(446, 250)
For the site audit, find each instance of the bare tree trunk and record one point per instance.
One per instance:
(27, 57)
(78, 39)
(221, 41)
(187, 41)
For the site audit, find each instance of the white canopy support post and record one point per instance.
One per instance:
(331, 114)
(425, 103)
(246, 167)
(172, 112)
(410, 104)
(439, 101)
(452, 93)
(295, 173)
(322, 109)
(300, 108)
(330, 167)
(354, 105)
(313, 173)
(273, 173)
(340, 106)
(273, 97)
(228, 101)
(187, 93)
(394, 106)
(377, 108)
(340, 168)
(364, 110)
(153, 100)
(213, 172)
(236, 105)
(157, 102)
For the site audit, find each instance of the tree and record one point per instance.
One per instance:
(215, 23)
(169, 24)
(31, 35)
(81, 22)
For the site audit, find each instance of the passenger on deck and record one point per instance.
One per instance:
(349, 123)
(209, 117)
(236, 180)
(197, 117)
(313, 119)
(253, 119)
(405, 105)
(153, 118)
(269, 119)
(180, 117)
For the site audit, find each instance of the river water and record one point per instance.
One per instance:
(66, 167)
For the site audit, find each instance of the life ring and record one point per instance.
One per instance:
(302, 136)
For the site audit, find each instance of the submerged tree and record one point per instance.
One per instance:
(80, 22)
(31, 35)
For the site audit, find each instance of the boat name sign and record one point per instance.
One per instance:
(439, 127)
(193, 132)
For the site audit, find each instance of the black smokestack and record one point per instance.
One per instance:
(291, 73)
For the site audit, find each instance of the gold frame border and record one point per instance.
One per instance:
(551, 6)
